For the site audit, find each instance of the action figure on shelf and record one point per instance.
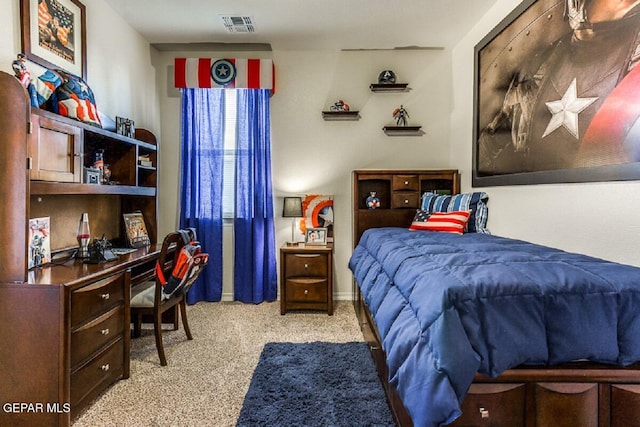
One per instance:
(19, 66)
(401, 116)
(340, 105)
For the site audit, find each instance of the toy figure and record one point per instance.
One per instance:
(340, 105)
(20, 70)
(401, 115)
(387, 77)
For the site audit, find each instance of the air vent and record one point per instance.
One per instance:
(238, 24)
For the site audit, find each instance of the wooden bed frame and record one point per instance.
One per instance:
(573, 395)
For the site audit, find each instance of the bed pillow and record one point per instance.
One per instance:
(475, 202)
(419, 220)
(448, 222)
(46, 84)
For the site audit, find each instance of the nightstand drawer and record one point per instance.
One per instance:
(405, 200)
(308, 265)
(405, 183)
(306, 290)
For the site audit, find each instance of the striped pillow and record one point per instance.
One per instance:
(474, 202)
(449, 222)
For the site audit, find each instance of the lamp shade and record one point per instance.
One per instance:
(292, 207)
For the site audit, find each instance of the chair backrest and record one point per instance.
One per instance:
(187, 263)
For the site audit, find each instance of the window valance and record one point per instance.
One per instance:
(224, 73)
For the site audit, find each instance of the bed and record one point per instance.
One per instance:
(477, 329)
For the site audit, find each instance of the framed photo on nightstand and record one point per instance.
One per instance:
(316, 236)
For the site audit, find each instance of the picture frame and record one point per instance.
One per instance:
(136, 230)
(39, 242)
(54, 34)
(317, 212)
(316, 236)
(125, 127)
(523, 132)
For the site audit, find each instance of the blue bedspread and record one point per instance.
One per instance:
(447, 306)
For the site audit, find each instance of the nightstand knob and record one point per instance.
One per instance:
(406, 202)
(105, 367)
(406, 183)
(306, 266)
(484, 413)
(306, 291)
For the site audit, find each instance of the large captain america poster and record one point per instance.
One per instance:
(557, 94)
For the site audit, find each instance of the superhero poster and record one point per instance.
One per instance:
(317, 212)
(53, 34)
(557, 94)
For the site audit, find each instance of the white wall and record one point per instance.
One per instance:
(598, 219)
(313, 156)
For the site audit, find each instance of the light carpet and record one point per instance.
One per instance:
(206, 379)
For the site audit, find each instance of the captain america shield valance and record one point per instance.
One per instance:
(225, 73)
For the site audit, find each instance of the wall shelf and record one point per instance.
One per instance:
(340, 115)
(403, 130)
(389, 87)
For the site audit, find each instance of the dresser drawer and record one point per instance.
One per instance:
(405, 200)
(94, 335)
(308, 265)
(405, 183)
(306, 290)
(96, 375)
(96, 298)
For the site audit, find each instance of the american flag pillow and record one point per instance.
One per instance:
(449, 222)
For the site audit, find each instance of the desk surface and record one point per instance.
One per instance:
(74, 272)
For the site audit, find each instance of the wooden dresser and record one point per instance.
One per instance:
(65, 325)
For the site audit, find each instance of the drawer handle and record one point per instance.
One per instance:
(306, 266)
(406, 201)
(484, 413)
(105, 296)
(105, 331)
(306, 292)
(406, 183)
(105, 367)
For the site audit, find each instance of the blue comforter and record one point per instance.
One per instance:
(447, 306)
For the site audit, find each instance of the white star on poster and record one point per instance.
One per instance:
(565, 111)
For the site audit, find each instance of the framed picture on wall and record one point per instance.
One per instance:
(557, 96)
(54, 34)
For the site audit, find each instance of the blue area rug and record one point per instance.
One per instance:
(315, 384)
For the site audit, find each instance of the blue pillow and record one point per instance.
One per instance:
(474, 202)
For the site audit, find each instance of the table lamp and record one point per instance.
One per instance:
(292, 208)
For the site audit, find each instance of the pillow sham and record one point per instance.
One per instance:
(419, 219)
(448, 222)
(475, 202)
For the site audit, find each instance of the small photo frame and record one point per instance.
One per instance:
(125, 127)
(315, 236)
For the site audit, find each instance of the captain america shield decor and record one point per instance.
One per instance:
(223, 72)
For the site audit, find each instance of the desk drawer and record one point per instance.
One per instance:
(405, 183)
(95, 376)
(96, 298)
(307, 290)
(94, 335)
(308, 265)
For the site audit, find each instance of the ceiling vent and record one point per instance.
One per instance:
(238, 24)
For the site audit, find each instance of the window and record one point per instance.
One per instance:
(228, 180)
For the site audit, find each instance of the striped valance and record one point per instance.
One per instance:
(224, 73)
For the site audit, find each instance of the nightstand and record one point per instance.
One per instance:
(306, 278)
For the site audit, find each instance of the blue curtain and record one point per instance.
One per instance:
(255, 274)
(202, 142)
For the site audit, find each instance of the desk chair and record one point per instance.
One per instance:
(147, 299)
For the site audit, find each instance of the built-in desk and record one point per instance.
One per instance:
(65, 335)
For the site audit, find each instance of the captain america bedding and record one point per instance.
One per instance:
(447, 306)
